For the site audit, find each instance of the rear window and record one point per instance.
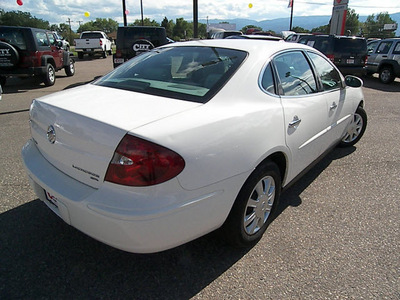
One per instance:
(91, 35)
(126, 36)
(14, 37)
(357, 46)
(185, 73)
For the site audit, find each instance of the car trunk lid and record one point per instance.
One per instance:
(78, 130)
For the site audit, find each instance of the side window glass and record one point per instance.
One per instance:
(267, 81)
(51, 39)
(330, 78)
(384, 47)
(397, 48)
(295, 74)
(41, 39)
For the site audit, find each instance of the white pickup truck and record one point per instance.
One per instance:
(92, 42)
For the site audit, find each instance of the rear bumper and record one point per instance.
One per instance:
(142, 220)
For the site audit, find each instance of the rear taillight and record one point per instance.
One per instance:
(118, 53)
(101, 42)
(331, 57)
(138, 162)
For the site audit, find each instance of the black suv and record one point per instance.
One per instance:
(26, 51)
(348, 53)
(133, 40)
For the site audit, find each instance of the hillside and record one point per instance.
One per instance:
(281, 24)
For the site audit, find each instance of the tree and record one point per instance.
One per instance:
(299, 29)
(19, 18)
(321, 29)
(182, 30)
(352, 23)
(168, 25)
(373, 26)
(146, 22)
(100, 24)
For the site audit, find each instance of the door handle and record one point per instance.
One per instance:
(333, 106)
(296, 121)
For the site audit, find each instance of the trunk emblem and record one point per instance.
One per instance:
(51, 134)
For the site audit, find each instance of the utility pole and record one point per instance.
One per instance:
(70, 32)
(141, 11)
(291, 3)
(195, 19)
(124, 12)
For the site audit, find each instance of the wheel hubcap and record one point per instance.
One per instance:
(385, 75)
(259, 205)
(354, 129)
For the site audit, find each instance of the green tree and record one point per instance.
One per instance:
(299, 29)
(352, 22)
(182, 30)
(100, 24)
(321, 29)
(168, 25)
(19, 18)
(373, 26)
(146, 22)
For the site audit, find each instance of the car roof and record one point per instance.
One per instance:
(267, 47)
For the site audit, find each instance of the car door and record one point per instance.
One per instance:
(56, 51)
(380, 53)
(304, 108)
(338, 111)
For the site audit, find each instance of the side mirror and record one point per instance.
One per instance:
(353, 81)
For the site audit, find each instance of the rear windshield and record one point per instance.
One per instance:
(126, 36)
(350, 46)
(91, 35)
(185, 73)
(13, 36)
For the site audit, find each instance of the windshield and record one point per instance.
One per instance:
(185, 73)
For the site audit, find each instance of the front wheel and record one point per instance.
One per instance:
(254, 207)
(50, 77)
(70, 69)
(355, 129)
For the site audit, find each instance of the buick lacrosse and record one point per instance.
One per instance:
(189, 138)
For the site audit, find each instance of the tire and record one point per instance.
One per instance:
(254, 207)
(50, 77)
(355, 129)
(80, 55)
(105, 54)
(386, 75)
(10, 60)
(70, 69)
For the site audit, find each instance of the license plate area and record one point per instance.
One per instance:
(350, 61)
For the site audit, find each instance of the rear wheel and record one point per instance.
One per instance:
(3, 80)
(386, 75)
(50, 77)
(105, 54)
(80, 55)
(254, 207)
(355, 129)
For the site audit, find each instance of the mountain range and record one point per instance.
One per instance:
(280, 24)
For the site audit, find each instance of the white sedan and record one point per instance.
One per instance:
(189, 138)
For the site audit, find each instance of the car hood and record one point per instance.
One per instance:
(88, 122)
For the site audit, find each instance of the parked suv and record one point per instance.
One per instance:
(133, 40)
(348, 53)
(26, 51)
(384, 59)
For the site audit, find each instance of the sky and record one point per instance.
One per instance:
(78, 11)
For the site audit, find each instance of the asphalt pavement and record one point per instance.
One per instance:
(337, 235)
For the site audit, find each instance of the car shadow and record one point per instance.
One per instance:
(42, 257)
(373, 82)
